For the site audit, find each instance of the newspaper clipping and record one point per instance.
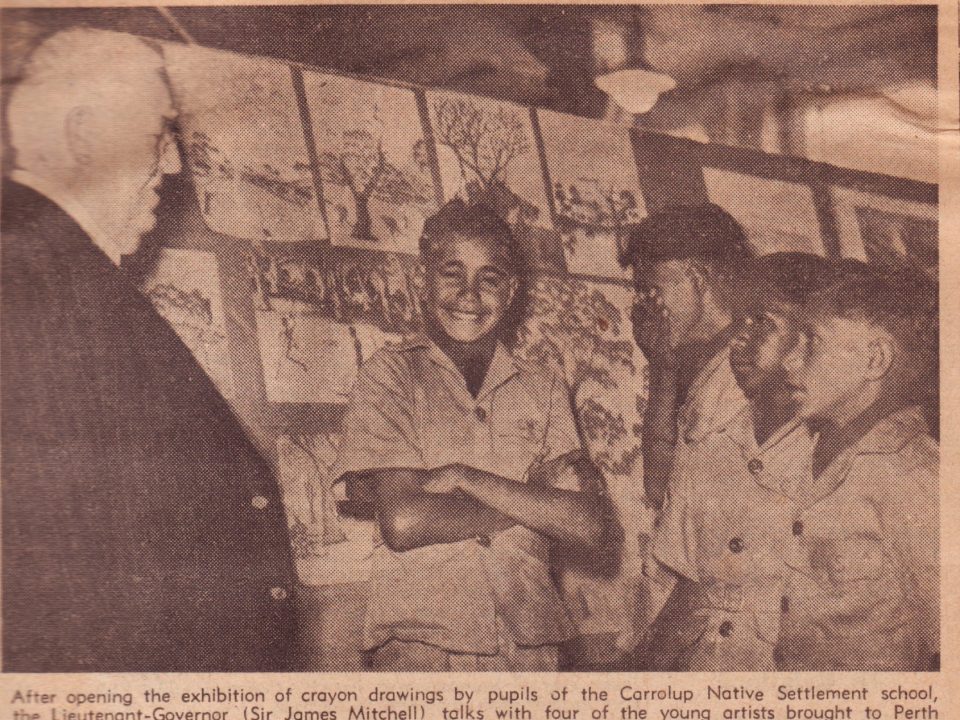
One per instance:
(479, 362)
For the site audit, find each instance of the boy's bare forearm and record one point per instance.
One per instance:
(564, 515)
(410, 518)
(659, 433)
(425, 519)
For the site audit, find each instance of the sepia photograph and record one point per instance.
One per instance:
(471, 338)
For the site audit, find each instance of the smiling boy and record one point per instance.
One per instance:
(862, 589)
(476, 467)
(731, 490)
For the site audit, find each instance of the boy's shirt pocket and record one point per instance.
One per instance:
(849, 562)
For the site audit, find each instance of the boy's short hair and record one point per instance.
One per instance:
(792, 278)
(705, 232)
(901, 300)
(477, 219)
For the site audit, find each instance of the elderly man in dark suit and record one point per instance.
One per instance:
(141, 529)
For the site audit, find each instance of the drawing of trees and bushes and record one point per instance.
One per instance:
(363, 168)
(378, 186)
(305, 464)
(583, 331)
(591, 207)
(377, 289)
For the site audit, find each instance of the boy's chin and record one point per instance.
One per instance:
(461, 337)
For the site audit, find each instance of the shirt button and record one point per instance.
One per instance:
(481, 414)
(736, 545)
(755, 466)
(279, 593)
(726, 628)
(259, 502)
(798, 527)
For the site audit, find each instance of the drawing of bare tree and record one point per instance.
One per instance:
(361, 164)
(364, 169)
(357, 156)
(485, 141)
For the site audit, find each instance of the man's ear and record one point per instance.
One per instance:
(698, 277)
(79, 129)
(881, 353)
(514, 286)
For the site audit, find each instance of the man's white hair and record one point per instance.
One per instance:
(75, 67)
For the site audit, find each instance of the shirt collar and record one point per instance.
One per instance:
(783, 461)
(701, 359)
(741, 431)
(892, 432)
(502, 368)
(887, 436)
(71, 207)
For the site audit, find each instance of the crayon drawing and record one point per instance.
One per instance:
(184, 287)
(377, 183)
(245, 145)
(596, 192)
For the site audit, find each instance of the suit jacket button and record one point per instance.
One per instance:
(726, 628)
(755, 466)
(259, 502)
(798, 527)
(736, 545)
(279, 593)
(481, 414)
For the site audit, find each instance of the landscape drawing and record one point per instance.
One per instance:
(245, 144)
(596, 191)
(378, 289)
(309, 358)
(883, 229)
(184, 287)
(328, 548)
(486, 151)
(377, 182)
(777, 216)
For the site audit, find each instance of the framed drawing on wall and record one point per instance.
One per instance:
(881, 229)
(596, 192)
(487, 152)
(377, 182)
(244, 139)
(184, 287)
(777, 216)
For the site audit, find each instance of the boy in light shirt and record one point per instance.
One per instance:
(862, 556)
(476, 469)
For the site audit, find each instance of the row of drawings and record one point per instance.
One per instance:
(262, 137)
(317, 322)
(280, 154)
